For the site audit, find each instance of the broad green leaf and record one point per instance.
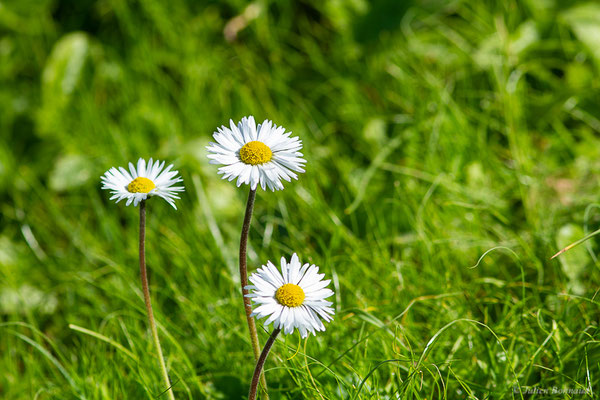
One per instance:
(62, 73)
(491, 50)
(375, 131)
(584, 20)
(70, 171)
(574, 261)
(26, 298)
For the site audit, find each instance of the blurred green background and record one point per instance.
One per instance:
(436, 132)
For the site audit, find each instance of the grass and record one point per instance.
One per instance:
(452, 149)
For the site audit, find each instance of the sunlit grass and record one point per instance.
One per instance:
(431, 137)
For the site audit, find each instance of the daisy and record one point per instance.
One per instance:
(142, 182)
(292, 298)
(263, 154)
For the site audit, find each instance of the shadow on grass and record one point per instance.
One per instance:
(383, 16)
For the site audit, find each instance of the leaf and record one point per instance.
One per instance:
(374, 131)
(25, 299)
(525, 36)
(70, 171)
(491, 51)
(61, 76)
(584, 20)
(575, 260)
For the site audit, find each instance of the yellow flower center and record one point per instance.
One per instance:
(255, 153)
(290, 295)
(141, 185)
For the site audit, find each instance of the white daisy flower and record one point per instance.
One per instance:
(139, 183)
(292, 298)
(253, 154)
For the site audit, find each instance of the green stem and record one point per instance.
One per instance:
(146, 290)
(244, 282)
(569, 247)
(261, 363)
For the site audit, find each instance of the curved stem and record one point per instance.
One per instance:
(244, 282)
(146, 290)
(261, 363)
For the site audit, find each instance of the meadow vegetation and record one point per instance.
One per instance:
(452, 147)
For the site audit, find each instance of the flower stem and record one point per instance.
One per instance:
(261, 363)
(146, 290)
(244, 282)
